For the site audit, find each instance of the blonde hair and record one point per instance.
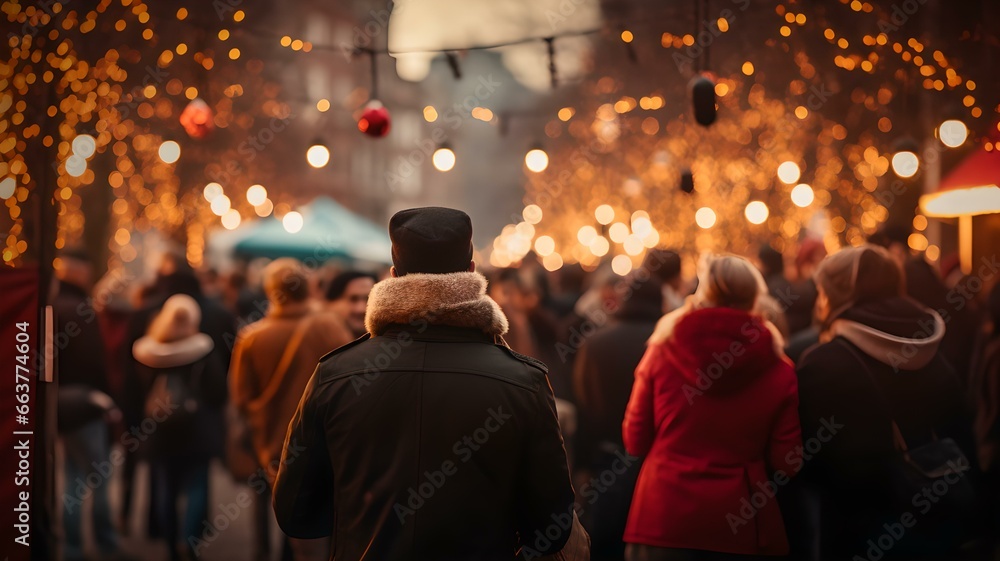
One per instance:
(728, 281)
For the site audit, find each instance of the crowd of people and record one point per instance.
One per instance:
(837, 406)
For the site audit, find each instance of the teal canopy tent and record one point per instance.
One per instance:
(329, 231)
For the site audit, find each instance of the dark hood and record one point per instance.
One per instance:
(897, 331)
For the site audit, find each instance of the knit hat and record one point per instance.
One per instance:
(431, 240)
(173, 338)
(857, 275)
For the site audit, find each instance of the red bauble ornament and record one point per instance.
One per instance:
(198, 119)
(374, 119)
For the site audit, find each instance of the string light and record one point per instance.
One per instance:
(536, 160)
(318, 155)
(292, 222)
(443, 159)
(905, 164)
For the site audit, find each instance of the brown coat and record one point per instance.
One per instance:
(256, 355)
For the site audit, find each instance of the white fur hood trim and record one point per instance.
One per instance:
(455, 299)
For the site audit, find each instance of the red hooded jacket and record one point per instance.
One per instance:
(714, 411)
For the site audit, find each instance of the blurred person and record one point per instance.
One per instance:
(714, 415)
(985, 397)
(800, 300)
(665, 266)
(880, 374)
(430, 398)
(84, 407)
(772, 268)
(114, 309)
(771, 310)
(186, 395)
(602, 382)
(174, 276)
(569, 280)
(958, 308)
(347, 295)
(272, 361)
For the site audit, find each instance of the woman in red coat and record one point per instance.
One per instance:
(714, 413)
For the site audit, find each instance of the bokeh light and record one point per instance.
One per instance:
(169, 152)
(318, 155)
(803, 195)
(789, 172)
(443, 159)
(292, 222)
(256, 195)
(536, 160)
(756, 212)
(953, 133)
(905, 164)
(705, 217)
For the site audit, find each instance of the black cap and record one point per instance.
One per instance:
(431, 240)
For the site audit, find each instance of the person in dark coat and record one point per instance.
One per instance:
(84, 408)
(879, 362)
(185, 400)
(174, 276)
(985, 397)
(602, 382)
(428, 438)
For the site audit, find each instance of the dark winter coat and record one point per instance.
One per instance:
(80, 360)
(897, 341)
(424, 439)
(188, 426)
(603, 372)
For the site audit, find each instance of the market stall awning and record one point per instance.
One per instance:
(329, 231)
(971, 188)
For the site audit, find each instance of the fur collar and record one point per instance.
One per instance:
(455, 299)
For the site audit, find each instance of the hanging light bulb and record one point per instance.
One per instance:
(905, 164)
(705, 217)
(169, 152)
(789, 172)
(536, 160)
(256, 195)
(756, 212)
(443, 158)
(292, 222)
(802, 195)
(212, 190)
(604, 214)
(318, 155)
(953, 133)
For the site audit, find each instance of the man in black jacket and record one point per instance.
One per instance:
(428, 438)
